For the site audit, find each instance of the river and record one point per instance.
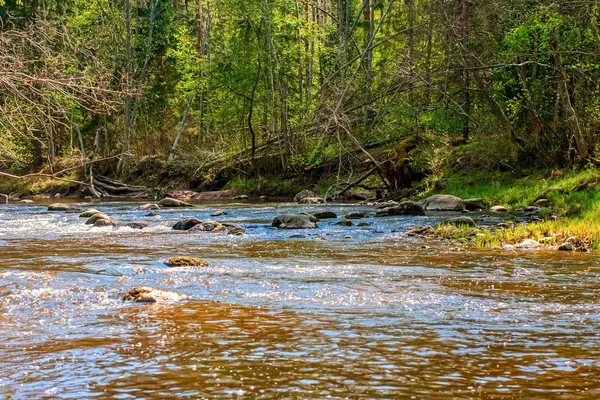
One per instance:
(343, 312)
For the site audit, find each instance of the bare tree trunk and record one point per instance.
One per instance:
(572, 118)
(141, 81)
(466, 78)
(180, 130)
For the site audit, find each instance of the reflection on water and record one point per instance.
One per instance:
(374, 316)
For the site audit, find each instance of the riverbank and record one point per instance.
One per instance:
(571, 213)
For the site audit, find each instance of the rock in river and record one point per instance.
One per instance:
(443, 202)
(294, 221)
(96, 217)
(137, 225)
(460, 221)
(186, 224)
(528, 244)
(426, 230)
(58, 207)
(325, 214)
(355, 215)
(185, 261)
(102, 223)
(170, 202)
(404, 208)
(151, 295)
(147, 207)
(88, 213)
(236, 231)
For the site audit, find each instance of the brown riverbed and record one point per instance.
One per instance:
(376, 315)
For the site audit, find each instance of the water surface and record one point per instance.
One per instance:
(343, 312)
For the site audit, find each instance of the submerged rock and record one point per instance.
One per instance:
(102, 223)
(426, 230)
(96, 217)
(294, 221)
(325, 214)
(241, 197)
(148, 207)
(355, 215)
(217, 213)
(404, 208)
(528, 244)
(88, 213)
(58, 207)
(27, 201)
(137, 225)
(186, 224)
(185, 261)
(345, 222)
(459, 221)
(170, 202)
(443, 202)
(150, 295)
(236, 231)
(363, 223)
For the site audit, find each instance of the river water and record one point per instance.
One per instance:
(343, 312)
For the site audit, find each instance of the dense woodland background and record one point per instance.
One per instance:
(218, 89)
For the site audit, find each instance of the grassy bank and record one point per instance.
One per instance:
(574, 197)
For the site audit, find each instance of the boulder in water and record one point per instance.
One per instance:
(325, 214)
(151, 295)
(236, 231)
(345, 222)
(170, 202)
(185, 261)
(103, 223)
(241, 197)
(498, 209)
(148, 207)
(294, 221)
(443, 202)
(404, 208)
(186, 224)
(217, 213)
(355, 215)
(426, 230)
(528, 244)
(88, 213)
(96, 217)
(137, 225)
(58, 207)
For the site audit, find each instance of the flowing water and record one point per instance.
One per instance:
(343, 312)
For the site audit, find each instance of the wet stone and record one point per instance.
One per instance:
(185, 261)
(151, 295)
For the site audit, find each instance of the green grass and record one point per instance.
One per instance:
(578, 211)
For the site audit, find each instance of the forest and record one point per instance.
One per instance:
(210, 92)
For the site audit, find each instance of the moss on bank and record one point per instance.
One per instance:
(574, 197)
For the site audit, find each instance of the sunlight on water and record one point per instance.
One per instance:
(376, 315)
